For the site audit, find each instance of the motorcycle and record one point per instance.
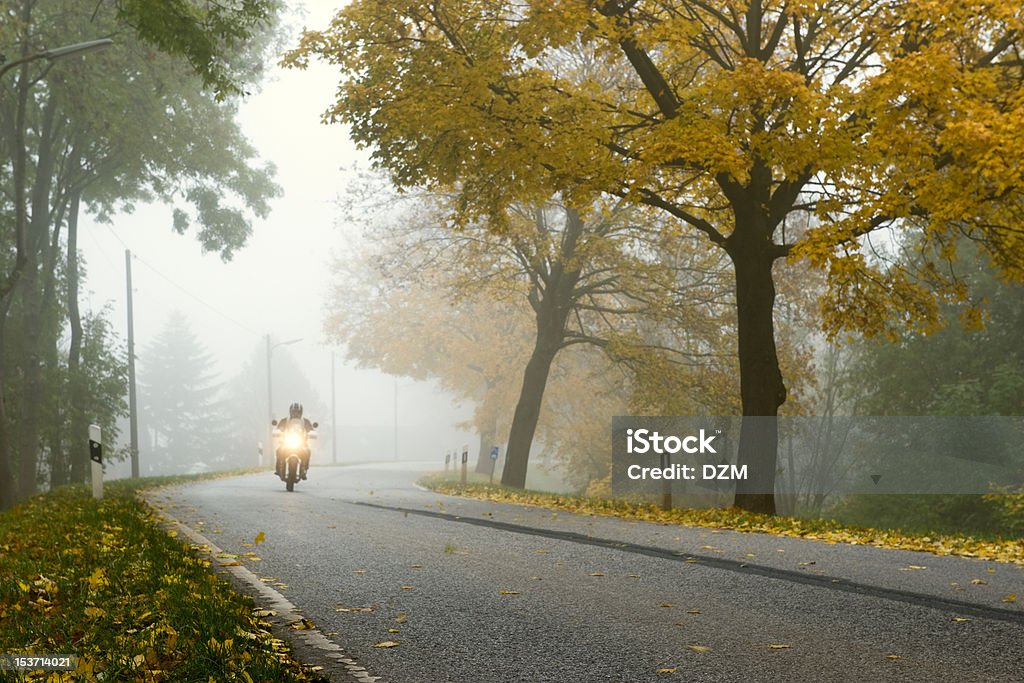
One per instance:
(293, 449)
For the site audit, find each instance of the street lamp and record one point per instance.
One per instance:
(270, 387)
(59, 53)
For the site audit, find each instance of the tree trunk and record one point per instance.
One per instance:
(761, 387)
(8, 287)
(552, 306)
(54, 420)
(32, 390)
(524, 421)
(483, 458)
(8, 492)
(32, 289)
(78, 453)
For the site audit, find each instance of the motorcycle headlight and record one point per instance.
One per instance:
(293, 440)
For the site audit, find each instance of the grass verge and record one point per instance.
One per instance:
(103, 581)
(825, 530)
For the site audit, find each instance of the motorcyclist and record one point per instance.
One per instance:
(295, 413)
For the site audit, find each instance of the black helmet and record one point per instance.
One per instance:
(295, 410)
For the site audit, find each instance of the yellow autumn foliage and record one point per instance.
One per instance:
(908, 117)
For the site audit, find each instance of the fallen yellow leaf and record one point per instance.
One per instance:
(1012, 597)
(260, 538)
(387, 643)
(98, 579)
(667, 671)
(778, 647)
(699, 648)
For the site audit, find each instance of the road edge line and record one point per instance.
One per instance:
(287, 612)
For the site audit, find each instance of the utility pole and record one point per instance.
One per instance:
(334, 419)
(133, 413)
(396, 417)
(270, 407)
(270, 395)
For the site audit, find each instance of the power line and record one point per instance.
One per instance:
(180, 288)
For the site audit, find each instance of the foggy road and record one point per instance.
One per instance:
(475, 592)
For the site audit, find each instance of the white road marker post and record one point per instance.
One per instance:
(465, 460)
(96, 456)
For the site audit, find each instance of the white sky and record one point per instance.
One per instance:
(278, 283)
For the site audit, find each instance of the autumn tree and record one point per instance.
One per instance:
(429, 304)
(415, 325)
(579, 276)
(732, 117)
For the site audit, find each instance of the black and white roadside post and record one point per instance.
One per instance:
(465, 460)
(96, 456)
(495, 450)
(447, 459)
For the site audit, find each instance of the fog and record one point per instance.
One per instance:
(279, 282)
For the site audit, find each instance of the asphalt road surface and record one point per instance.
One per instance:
(477, 592)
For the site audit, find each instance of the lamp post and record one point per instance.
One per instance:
(59, 53)
(334, 418)
(270, 391)
(19, 172)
